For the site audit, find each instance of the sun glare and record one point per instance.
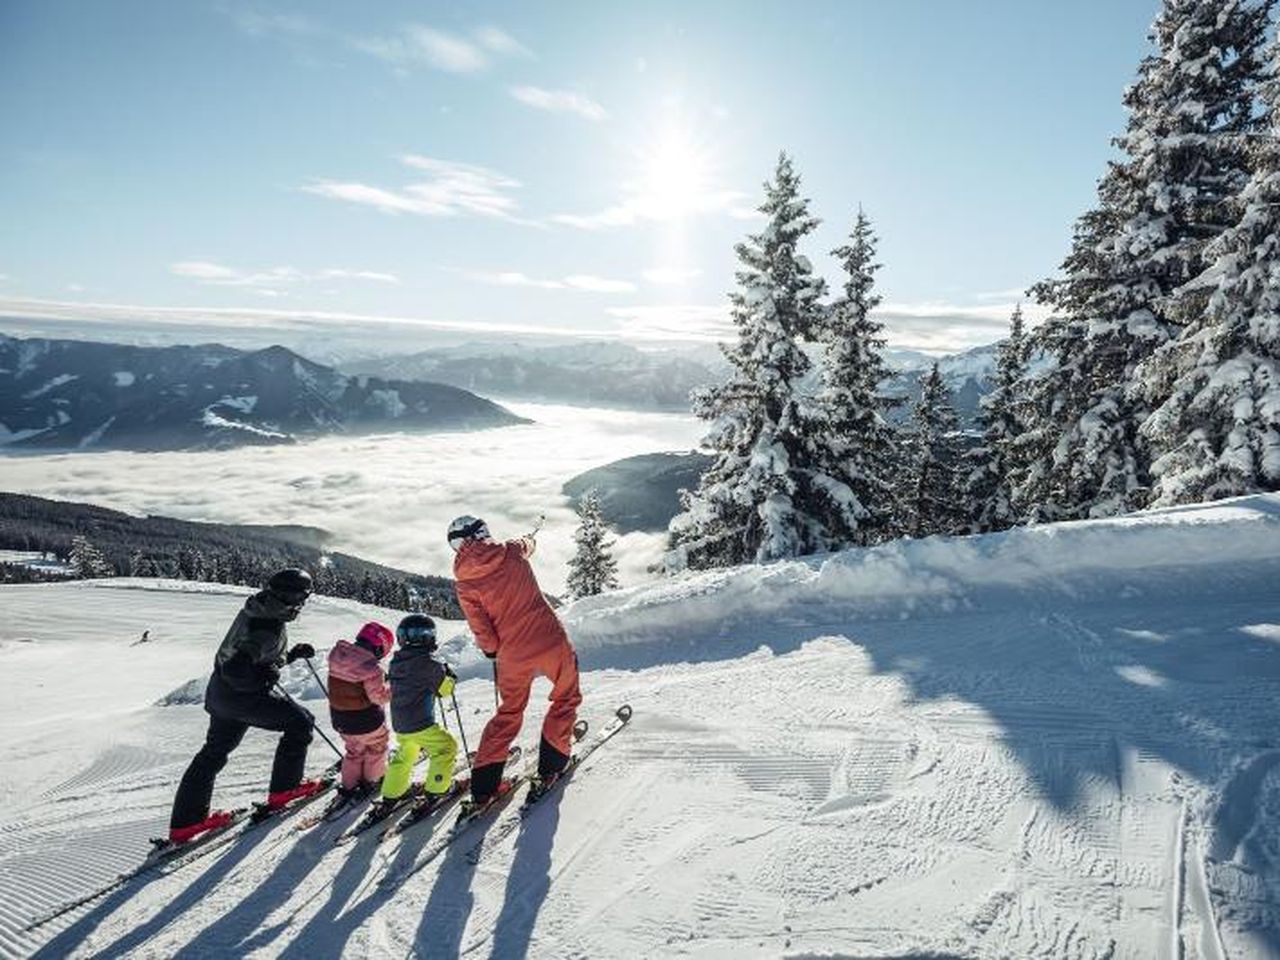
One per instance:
(676, 177)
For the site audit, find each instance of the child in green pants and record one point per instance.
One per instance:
(417, 679)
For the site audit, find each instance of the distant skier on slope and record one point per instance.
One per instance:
(516, 627)
(240, 695)
(357, 693)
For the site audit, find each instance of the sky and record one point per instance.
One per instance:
(405, 171)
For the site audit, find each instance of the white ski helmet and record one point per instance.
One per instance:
(467, 528)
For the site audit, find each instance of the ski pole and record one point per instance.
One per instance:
(312, 668)
(466, 751)
(444, 714)
(496, 704)
(537, 524)
(314, 726)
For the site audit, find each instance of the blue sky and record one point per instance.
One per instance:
(577, 167)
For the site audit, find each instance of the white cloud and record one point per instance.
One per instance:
(416, 45)
(450, 189)
(258, 24)
(670, 276)
(499, 41)
(268, 282)
(369, 491)
(560, 101)
(658, 207)
(75, 287)
(579, 281)
(939, 327)
(689, 321)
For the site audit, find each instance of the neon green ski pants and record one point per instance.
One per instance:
(441, 748)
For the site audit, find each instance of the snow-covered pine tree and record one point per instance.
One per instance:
(1117, 302)
(1217, 432)
(933, 503)
(994, 468)
(766, 494)
(87, 560)
(859, 444)
(592, 569)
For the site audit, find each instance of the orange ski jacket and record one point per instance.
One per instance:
(499, 595)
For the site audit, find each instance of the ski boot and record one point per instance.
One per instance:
(214, 821)
(282, 798)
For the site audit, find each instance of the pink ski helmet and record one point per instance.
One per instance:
(377, 638)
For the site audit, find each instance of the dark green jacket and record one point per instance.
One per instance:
(252, 652)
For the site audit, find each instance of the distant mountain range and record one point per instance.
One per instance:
(618, 375)
(69, 394)
(640, 493)
(589, 374)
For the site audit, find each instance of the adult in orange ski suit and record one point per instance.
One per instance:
(516, 627)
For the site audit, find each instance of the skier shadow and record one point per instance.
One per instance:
(528, 880)
(65, 943)
(444, 919)
(232, 933)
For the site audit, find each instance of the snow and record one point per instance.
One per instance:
(124, 378)
(52, 384)
(93, 436)
(211, 419)
(1055, 741)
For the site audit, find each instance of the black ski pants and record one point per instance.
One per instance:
(231, 714)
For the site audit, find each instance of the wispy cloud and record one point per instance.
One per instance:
(416, 45)
(687, 321)
(499, 41)
(670, 276)
(940, 327)
(577, 281)
(449, 190)
(271, 281)
(658, 206)
(560, 101)
(258, 24)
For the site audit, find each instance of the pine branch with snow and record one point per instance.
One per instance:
(995, 467)
(934, 501)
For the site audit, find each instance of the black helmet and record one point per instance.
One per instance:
(417, 630)
(292, 585)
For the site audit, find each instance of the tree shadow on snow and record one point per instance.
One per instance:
(1080, 676)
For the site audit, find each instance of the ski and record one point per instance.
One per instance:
(494, 805)
(425, 806)
(416, 804)
(166, 858)
(540, 787)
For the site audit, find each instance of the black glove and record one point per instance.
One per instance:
(300, 651)
(491, 656)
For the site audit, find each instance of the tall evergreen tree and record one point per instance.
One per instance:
(87, 560)
(934, 500)
(859, 443)
(994, 467)
(1120, 298)
(592, 569)
(766, 494)
(1217, 432)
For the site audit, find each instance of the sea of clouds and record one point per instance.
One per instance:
(387, 498)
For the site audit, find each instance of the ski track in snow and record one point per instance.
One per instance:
(1082, 765)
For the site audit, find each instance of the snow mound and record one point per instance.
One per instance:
(940, 574)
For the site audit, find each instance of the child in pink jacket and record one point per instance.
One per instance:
(357, 691)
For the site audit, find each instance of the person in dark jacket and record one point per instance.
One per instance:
(241, 694)
(417, 679)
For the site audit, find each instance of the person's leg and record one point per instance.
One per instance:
(400, 770)
(269, 712)
(374, 764)
(491, 756)
(561, 666)
(442, 748)
(195, 792)
(352, 759)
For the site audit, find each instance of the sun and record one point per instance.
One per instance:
(676, 178)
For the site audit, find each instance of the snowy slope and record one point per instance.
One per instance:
(1054, 742)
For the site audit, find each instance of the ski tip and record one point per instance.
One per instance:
(623, 713)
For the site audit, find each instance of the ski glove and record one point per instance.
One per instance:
(300, 651)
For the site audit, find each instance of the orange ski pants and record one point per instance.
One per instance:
(559, 664)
